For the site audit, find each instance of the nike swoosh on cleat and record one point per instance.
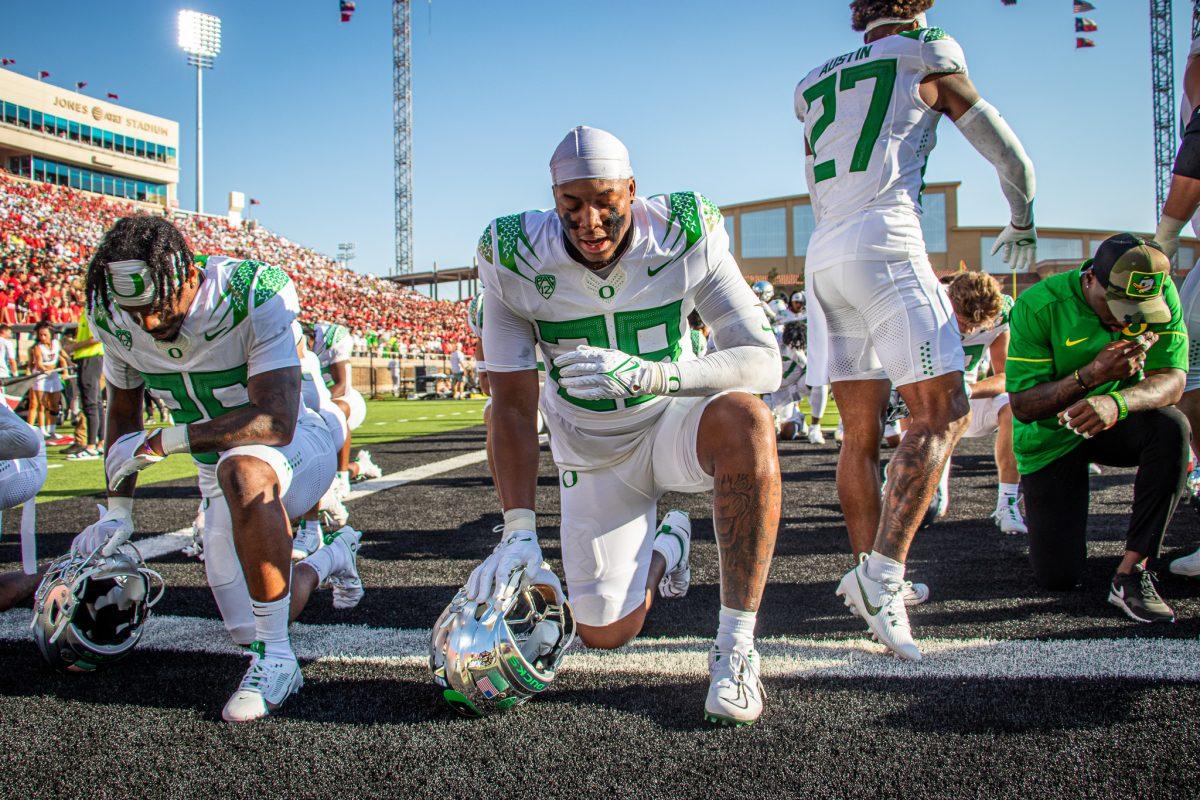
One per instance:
(873, 610)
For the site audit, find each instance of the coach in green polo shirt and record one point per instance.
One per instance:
(1096, 360)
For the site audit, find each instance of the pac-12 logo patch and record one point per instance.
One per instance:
(1144, 284)
(545, 285)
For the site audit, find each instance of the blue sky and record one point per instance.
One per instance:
(298, 109)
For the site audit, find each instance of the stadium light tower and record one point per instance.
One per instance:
(402, 130)
(346, 254)
(200, 38)
(1162, 88)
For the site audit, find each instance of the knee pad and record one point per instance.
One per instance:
(224, 573)
(335, 421)
(21, 479)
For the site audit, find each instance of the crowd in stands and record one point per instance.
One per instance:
(47, 234)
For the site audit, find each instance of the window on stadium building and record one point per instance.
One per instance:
(85, 134)
(40, 169)
(933, 222)
(1048, 249)
(803, 225)
(764, 234)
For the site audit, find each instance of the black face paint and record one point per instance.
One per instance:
(613, 223)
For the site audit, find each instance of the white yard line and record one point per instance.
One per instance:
(1140, 659)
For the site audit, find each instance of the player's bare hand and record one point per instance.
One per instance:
(1091, 415)
(1117, 361)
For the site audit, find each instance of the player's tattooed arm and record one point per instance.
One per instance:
(746, 516)
(124, 416)
(1117, 361)
(269, 419)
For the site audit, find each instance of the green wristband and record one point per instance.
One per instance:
(1122, 408)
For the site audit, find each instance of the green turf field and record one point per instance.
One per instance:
(387, 421)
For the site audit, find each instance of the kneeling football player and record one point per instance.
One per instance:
(212, 338)
(603, 286)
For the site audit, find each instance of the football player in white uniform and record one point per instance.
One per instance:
(332, 345)
(212, 338)
(1183, 203)
(982, 313)
(870, 117)
(22, 473)
(603, 285)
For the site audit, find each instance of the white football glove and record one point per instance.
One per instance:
(519, 550)
(1017, 248)
(113, 529)
(598, 373)
(127, 456)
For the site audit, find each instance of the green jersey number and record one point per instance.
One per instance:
(884, 74)
(974, 354)
(627, 324)
(204, 388)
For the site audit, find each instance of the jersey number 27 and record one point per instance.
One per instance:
(884, 74)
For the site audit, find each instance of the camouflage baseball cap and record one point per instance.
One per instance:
(1133, 271)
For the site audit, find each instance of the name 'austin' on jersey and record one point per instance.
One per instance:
(678, 249)
(870, 135)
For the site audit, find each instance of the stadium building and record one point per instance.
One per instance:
(770, 239)
(53, 135)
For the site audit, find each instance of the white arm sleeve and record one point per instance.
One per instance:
(17, 439)
(747, 356)
(508, 340)
(988, 133)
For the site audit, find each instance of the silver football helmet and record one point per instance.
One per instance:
(89, 609)
(764, 290)
(495, 655)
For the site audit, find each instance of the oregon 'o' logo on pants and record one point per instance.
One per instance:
(570, 478)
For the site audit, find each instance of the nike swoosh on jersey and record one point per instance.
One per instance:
(873, 610)
(208, 337)
(1073, 342)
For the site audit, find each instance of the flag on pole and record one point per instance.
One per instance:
(1084, 25)
(79, 85)
(4, 62)
(1082, 7)
(43, 74)
(1009, 2)
(1081, 42)
(113, 96)
(254, 202)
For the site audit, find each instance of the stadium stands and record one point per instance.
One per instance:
(47, 233)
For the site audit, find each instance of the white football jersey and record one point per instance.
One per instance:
(870, 135)
(794, 363)
(976, 344)
(678, 256)
(475, 314)
(332, 344)
(239, 325)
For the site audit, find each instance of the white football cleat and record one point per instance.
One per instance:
(675, 583)
(839, 434)
(1188, 566)
(1094, 469)
(306, 541)
(264, 687)
(881, 606)
(344, 581)
(367, 469)
(815, 435)
(1008, 517)
(333, 511)
(735, 692)
(914, 593)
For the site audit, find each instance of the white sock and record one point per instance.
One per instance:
(344, 477)
(881, 568)
(325, 562)
(817, 398)
(670, 547)
(944, 481)
(1006, 495)
(271, 626)
(311, 525)
(54, 429)
(735, 629)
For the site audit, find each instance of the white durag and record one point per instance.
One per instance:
(589, 153)
(130, 283)
(920, 19)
